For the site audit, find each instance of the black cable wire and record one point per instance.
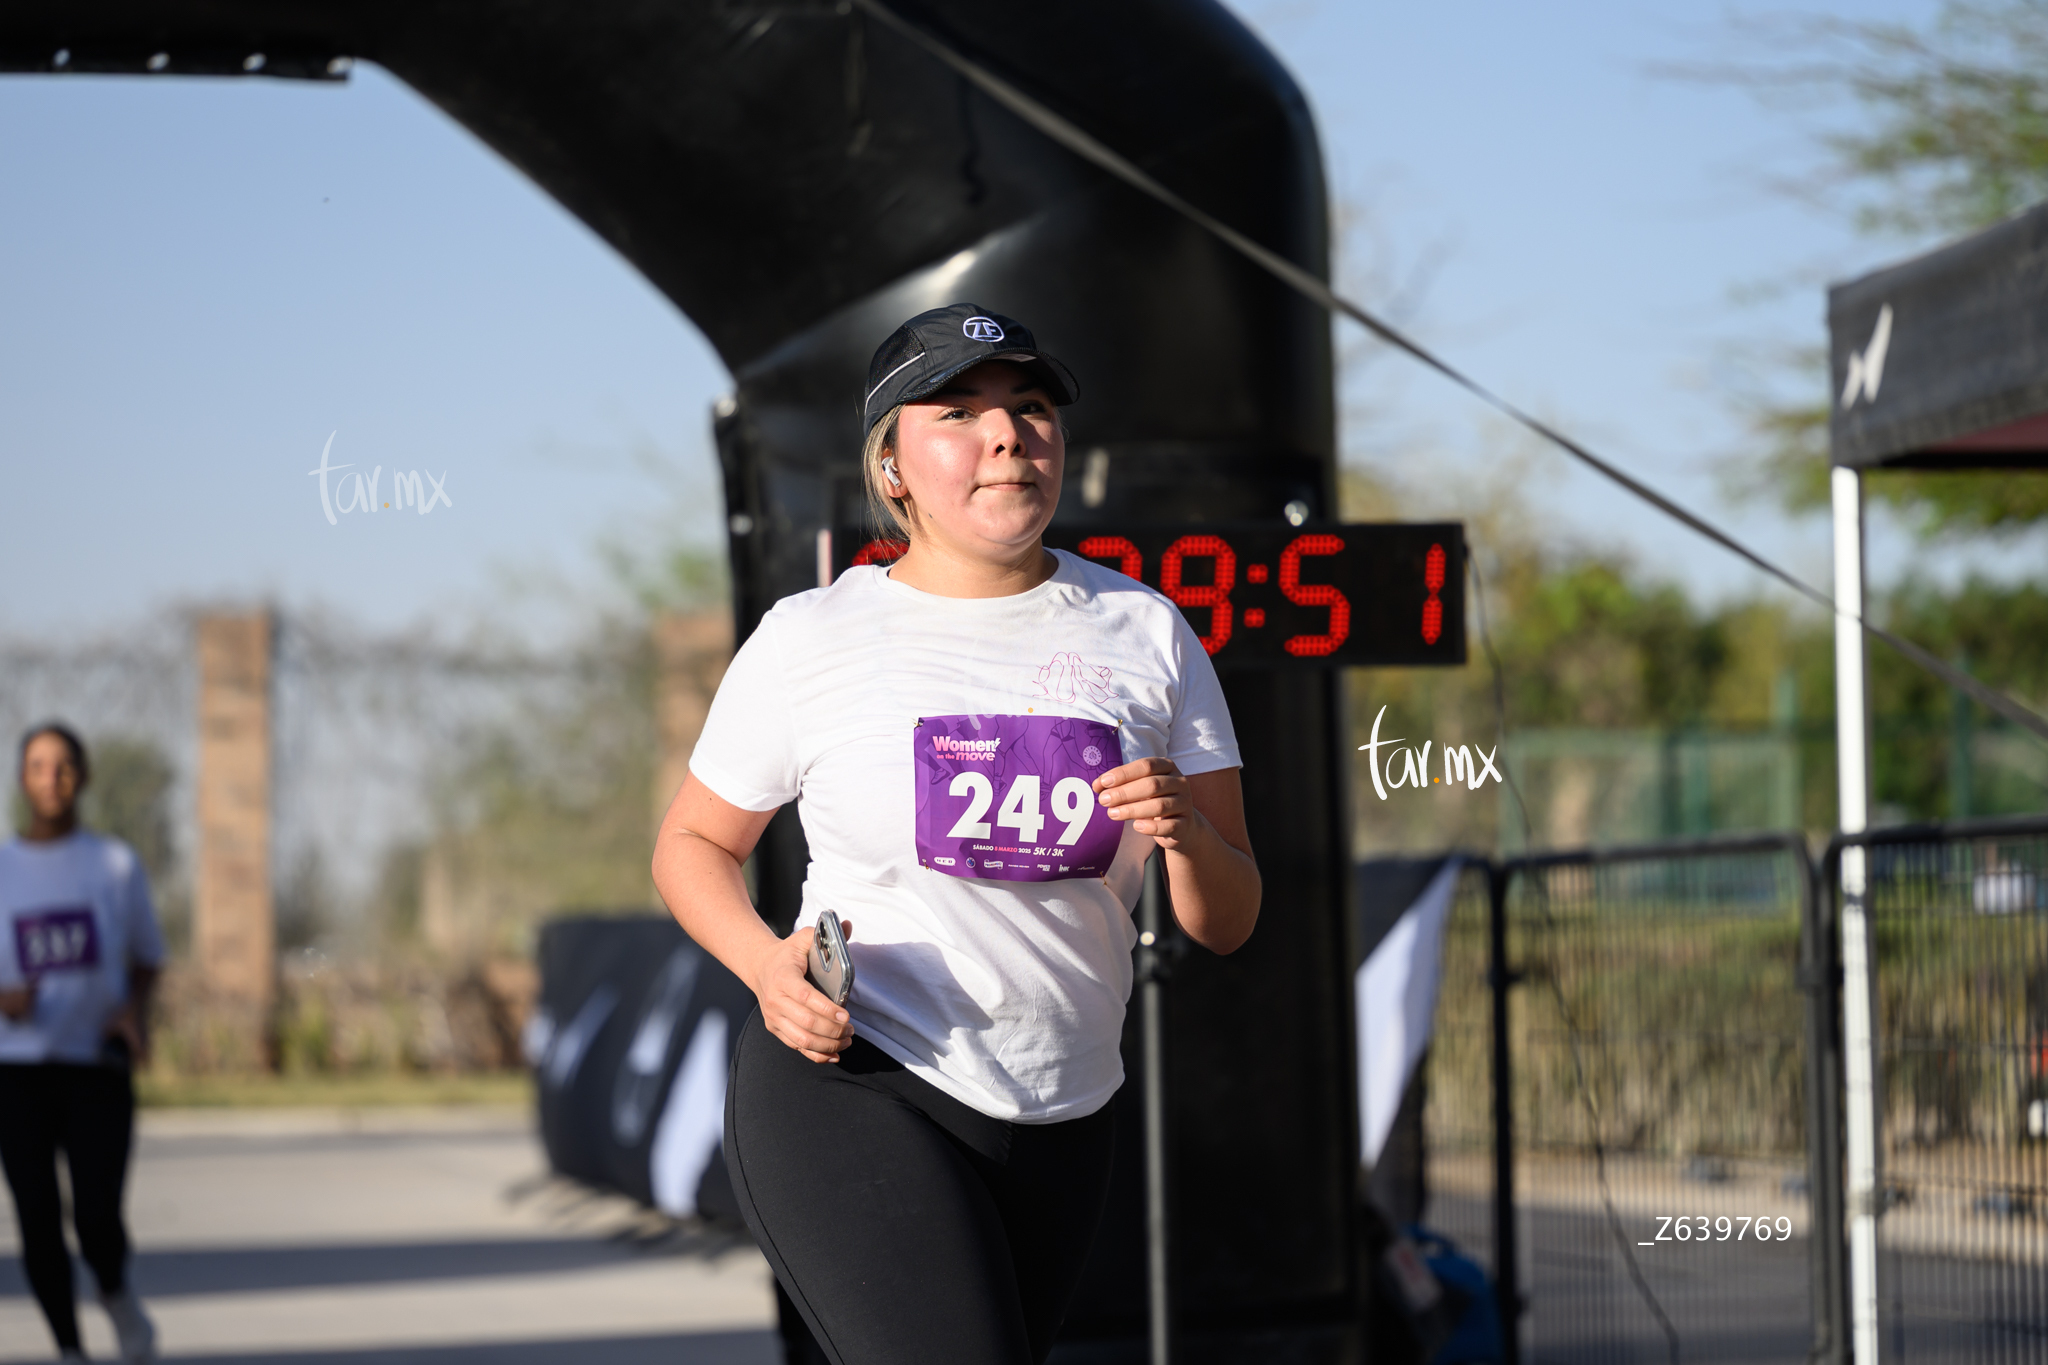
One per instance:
(1564, 1009)
(1306, 283)
(1621, 1237)
(1500, 698)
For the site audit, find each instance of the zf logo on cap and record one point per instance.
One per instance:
(981, 329)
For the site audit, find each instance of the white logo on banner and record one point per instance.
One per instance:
(1395, 995)
(1866, 369)
(692, 1126)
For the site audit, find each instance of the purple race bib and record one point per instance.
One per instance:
(63, 939)
(1009, 797)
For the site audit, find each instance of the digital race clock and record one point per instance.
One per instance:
(1380, 594)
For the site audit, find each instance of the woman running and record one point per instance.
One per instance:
(986, 741)
(79, 955)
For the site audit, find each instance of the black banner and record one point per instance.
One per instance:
(630, 1045)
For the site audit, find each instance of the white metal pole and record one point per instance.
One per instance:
(1152, 917)
(1859, 1061)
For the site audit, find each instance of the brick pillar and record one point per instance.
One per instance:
(690, 654)
(234, 927)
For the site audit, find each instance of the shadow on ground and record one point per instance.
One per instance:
(701, 1348)
(235, 1270)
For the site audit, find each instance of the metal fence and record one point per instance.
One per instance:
(1658, 1042)
(455, 788)
(1636, 1102)
(1458, 1106)
(1631, 786)
(1958, 920)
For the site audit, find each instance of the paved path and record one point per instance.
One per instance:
(401, 1238)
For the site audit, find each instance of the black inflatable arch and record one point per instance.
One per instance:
(799, 179)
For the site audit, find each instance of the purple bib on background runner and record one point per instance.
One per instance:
(63, 939)
(1009, 797)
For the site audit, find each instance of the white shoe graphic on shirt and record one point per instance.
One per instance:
(132, 1327)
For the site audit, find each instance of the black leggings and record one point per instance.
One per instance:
(88, 1111)
(908, 1228)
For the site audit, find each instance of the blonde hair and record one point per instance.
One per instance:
(886, 509)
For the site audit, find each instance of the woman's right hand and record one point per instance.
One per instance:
(704, 840)
(794, 1010)
(18, 1004)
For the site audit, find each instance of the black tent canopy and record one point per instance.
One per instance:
(1942, 362)
(1938, 363)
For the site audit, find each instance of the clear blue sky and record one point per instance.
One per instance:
(203, 279)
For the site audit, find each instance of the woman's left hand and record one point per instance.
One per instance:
(1198, 823)
(1154, 796)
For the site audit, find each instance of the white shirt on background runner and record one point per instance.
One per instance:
(1007, 995)
(49, 892)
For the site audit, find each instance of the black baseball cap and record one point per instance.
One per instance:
(921, 355)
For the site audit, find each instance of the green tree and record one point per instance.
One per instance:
(1590, 645)
(129, 797)
(1947, 133)
(1997, 631)
(547, 808)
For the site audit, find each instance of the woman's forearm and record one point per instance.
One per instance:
(704, 889)
(1215, 887)
(697, 870)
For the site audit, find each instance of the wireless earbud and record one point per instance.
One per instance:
(889, 471)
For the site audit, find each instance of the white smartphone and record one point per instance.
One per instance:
(831, 969)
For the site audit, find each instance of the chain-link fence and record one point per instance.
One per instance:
(1458, 1113)
(1958, 919)
(424, 802)
(1636, 1098)
(1659, 1042)
(1635, 786)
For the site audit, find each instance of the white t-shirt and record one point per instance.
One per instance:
(1007, 995)
(75, 916)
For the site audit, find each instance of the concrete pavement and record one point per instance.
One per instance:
(401, 1238)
